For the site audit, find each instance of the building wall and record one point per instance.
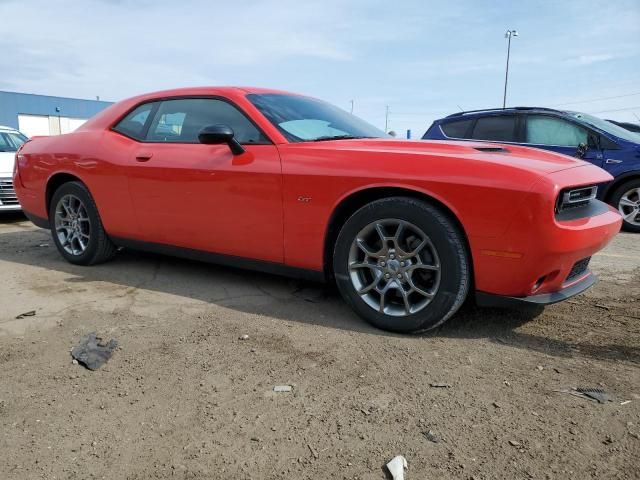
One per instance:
(64, 114)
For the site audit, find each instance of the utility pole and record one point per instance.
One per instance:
(386, 120)
(351, 107)
(507, 35)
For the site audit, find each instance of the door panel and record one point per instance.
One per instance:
(203, 197)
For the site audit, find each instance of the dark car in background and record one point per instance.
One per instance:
(593, 139)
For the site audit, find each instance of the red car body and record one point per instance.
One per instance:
(280, 204)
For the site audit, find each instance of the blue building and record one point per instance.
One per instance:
(45, 115)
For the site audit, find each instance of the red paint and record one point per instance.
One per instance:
(249, 205)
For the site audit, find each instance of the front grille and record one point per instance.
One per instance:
(575, 198)
(7, 193)
(578, 268)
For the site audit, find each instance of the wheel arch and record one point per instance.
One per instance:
(56, 181)
(619, 180)
(353, 201)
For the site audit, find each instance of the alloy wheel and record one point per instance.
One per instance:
(629, 206)
(394, 267)
(72, 225)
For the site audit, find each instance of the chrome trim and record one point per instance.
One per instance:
(568, 201)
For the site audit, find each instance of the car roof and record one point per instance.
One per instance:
(209, 90)
(503, 110)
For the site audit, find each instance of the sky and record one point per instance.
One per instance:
(422, 59)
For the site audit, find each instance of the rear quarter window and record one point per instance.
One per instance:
(498, 128)
(459, 129)
(133, 125)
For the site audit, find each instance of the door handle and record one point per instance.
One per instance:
(612, 160)
(144, 157)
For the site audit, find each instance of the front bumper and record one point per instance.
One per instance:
(491, 300)
(8, 197)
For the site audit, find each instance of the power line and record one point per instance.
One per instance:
(637, 107)
(597, 99)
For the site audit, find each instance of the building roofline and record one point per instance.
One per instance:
(56, 97)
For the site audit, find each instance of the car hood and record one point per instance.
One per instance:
(526, 158)
(6, 163)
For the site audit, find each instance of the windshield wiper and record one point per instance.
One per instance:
(337, 137)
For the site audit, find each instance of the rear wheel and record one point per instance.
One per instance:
(626, 198)
(76, 226)
(402, 264)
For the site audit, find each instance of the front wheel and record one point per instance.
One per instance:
(627, 199)
(402, 265)
(76, 226)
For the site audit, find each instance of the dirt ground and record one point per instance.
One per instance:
(185, 397)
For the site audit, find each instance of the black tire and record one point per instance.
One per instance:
(449, 242)
(99, 247)
(615, 201)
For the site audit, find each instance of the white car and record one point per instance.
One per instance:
(10, 141)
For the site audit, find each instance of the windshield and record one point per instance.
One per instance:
(11, 141)
(304, 119)
(608, 127)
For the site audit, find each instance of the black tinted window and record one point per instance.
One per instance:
(498, 128)
(133, 124)
(457, 129)
(180, 121)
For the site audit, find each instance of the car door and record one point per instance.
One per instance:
(204, 197)
(560, 135)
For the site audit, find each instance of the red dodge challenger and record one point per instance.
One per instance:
(285, 183)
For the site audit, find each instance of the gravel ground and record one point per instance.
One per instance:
(185, 397)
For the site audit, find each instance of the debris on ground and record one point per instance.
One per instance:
(243, 337)
(313, 451)
(594, 393)
(514, 443)
(597, 394)
(440, 385)
(282, 388)
(396, 467)
(92, 352)
(30, 313)
(625, 402)
(431, 436)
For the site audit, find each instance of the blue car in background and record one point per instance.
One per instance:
(598, 141)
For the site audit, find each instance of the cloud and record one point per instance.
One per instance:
(589, 59)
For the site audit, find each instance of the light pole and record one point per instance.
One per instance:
(351, 107)
(386, 119)
(507, 35)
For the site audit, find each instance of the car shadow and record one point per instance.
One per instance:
(280, 297)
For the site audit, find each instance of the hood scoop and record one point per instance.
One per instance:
(492, 149)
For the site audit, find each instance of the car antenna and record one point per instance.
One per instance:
(461, 109)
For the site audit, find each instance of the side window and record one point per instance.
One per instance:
(457, 129)
(499, 128)
(133, 124)
(181, 120)
(545, 130)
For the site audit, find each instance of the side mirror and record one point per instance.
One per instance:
(582, 150)
(217, 134)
